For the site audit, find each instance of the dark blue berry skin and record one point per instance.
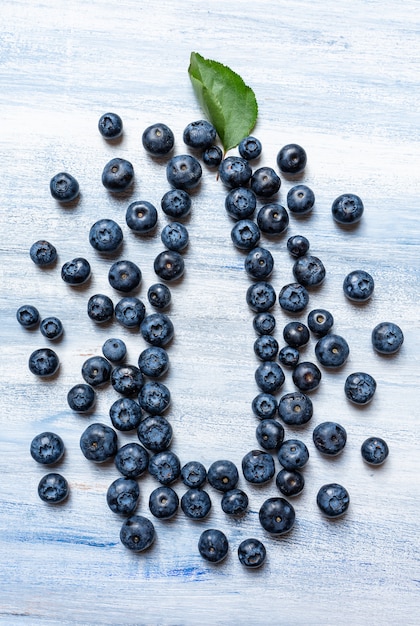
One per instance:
(306, 376)
(212, 156)
(265, 182)
(320, 321)
(163, 502)
(137, 533)
(333, 500)
(360, 387)
(298, 245)
(165, 467)
(141, 217)
(289, 356)
(28, 316)
(184, 172)
(258, 467)
(200, 134)
(124, 276)
(43, 362)
(234, 171)
(329, 438)
(154, 397)
(193, 474)
(234, 502)
(245, 234)
(110, 125)
(64, 187)
(250, 148)
(132, 460)
(269, 434)
(296, 334)
(223, 475)
(96, 370)
(261, 297)
(122, 496)
(169, 265)
(295, 408)
(291, 159)
(213, 545)
(240, 203)
(51, 328)
(309, 271)
(155, 433)
(387, 338)
(53, 488)
(347, 209)
(358, 286)
(196, 503)
(374, 451)
(290, 483)
(125, 414)
(153, 362)
(259, 263)
(157, 329)
(105, 235)
(293, 454)
(158, 139)
(127, 379)
(117, 175)
(76, 272)
(43, 253)
(272, 219)
(176, 203)
(300, 200)
(266, 347)
(114, 350)
(100, 308)
(277, 516)
(332, 350)
(81, 398)
(264, 323)
(269, 377)
(47, 448)
(99, 443)
(174, 236)
(130, 312)
(293, 298)
(264, 406)
(252, 553)
(159, 295)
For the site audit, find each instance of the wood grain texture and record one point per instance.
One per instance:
(341, 79)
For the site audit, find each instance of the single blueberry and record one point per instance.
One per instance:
(258, 467)
(291, 159)
(269, 377)
(122, 495)
(64, 187)
(347, 209)
(333, 500)
(47, 448)
(272, 219)
(28, 316)
(320, 321)
(293, 454)
(387, 338)
(130, 312)
(269, 434)
(329, 438)
(117, 175)
(298, 245)
(250, 148)
(264, 406)
(223, 475)
(159, 295)
(158, 139)
(124, 276)
(99, 443)
(245, 234)
(76, 272)
(105, 235)
(264, 323)
(360, 387)
(289, 356)
(277, 516)
(174, 236)
(295, 408)
(193, 474)
(259, 263)
(296, 334)
(266, 347)
(137, 533)
(127, 379)
(260, 297)
(293, 298)
(157, 329)
(43, 362)
(100, 308)
(300, 200)
(114, 350)
(306, 376)
(265, 182)
(196, 503)
(374, 450)
(53, 488)
(176, 203)
(290, 483)
(252, 553)
(163, 502)
(212, 156)
(332, 350)
(234, 171)
(240, 203)
(213, 545)
(358, 286)
(309, 271)
(169, 265)
(125, 414)
(165, 467)
(96, 370)
(141, 217)
(155, 433)
(234, 502)
(81, 398)
(110, 125)
(51, 327)
(200, 134)
(43, 253)
(183, 172)
(132, 460)
(153, 362)
(154, 397)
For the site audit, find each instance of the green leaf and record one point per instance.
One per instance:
(228, 103)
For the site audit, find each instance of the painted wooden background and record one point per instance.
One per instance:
(341, 79)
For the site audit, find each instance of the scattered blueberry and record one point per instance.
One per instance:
(183, 172)
(295, 408)
(137, 533)
(125, 414)
(360, 387)
(110, 125)
(252, 553)
(124, 276)
(293, 454)
(291, 159)
(117, 175)
(300, 200)
(234, 171)
(333, 500)
(296, 334)
(81, 398)
(157, 329)
(293, 298)
(374, 450)
(250, 148)
(245, 234)
(100, 308)
(64, 187)
(347, 209)
(47, 448)
(358, 286)
(329, 438)
(240, 203)
(163, 502)
(99, 443)
(306, 376)
(200, 134)
(105, 235)
(153, 362)
(234, 502)
(28, 316)
(130, 312)
(289, 356)
(193, 474)
(174, 236)
(264, 323)
(290, 482)
(258, 467)
(223, 475)
(332, 350)
(154, 397)
(43, 362)
(43, 253)
(320, 321)
(141, 217)
(213, 545)
(272, 219)
(269, 434)
(269, 377)
(155, 433)
(127, 379)
(266, 347)
(176, 203)
(196, 503)
(212, 156)
(309, 271)
(387, 338)
(96, 370)
(298, 245)
(114, 350)
(264, 406)
(261, 297)
(265, 182)
(122, 495)
(165, 467)
(159, 295)
(131, 460)
(53, 488)
(169, 265)
(76, 272)
(51, 327)
(158, 139)
(259, 263)
(277, 516)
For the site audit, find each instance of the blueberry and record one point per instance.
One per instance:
(213, 545)
(309, 271)
(320, 321)
(329, 438)
(234, 502)
(269, 434)
(174, 236)
(250, 148)
(53, 488)
(158, 139)
(131, 460)
(124, 276)
(360, 387)
(125, 414)
(176, 203)
(212, 156)
(272, 219)
(259, 263)
(165, 467)
(137, 533)
(252, 553)
(127, 379)
(157, 329)
(265, 182)
(51, 328)
(200, 134)
(290, 483)
(245, 234)
(291, 159)
(264, 323)
(154, 397)
(81, 398)
(159, 295)
(289, 356)
(110, 125)
(169, 265)
(105, 235)
(293, 454)
(100, 308)
(153, 362)
(122, 496)
(332, 350)
(196, 503)
(43, 253)
(347, 209)
(300, 200)
(130, 312)
(306, 376)
(28, 316)
(235, 171)
(295, 408)
(298, 245)
(258, 467)
(43, 362)
(117, 175)
(333, 500)
(96, 370)
(293, 298)
(64, 187)
(183, 172)
(266, 347)
(240, 203)
(358, 286)
(47, 448)
(223, 475)
(99, 442)
(374, 450)
(114, 350)
(141, 217)
(155, 433)
(277, 516)
(264, 406)
(296, 334)
(261, 297)
(269, 377)
(387, 338)
(76, 272)
(193, 474)
(163, 502)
